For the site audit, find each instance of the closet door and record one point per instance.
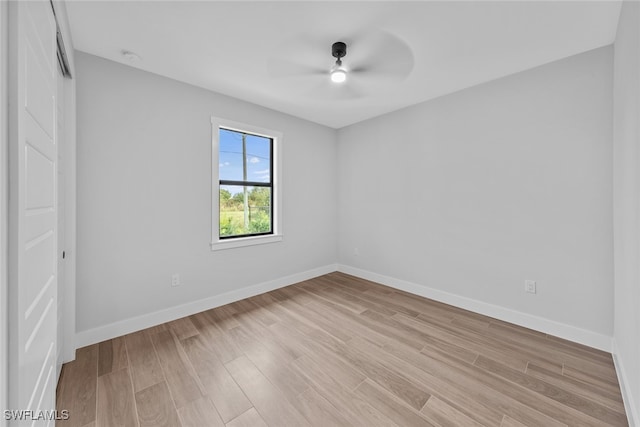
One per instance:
(33, 222)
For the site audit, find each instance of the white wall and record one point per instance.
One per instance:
(144, 196)
(627, 204)
(473, 193)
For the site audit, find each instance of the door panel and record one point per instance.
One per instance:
(39, 179)
(38, 253)
(37, 225)
(37, 82)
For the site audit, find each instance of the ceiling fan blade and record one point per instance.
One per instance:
(360, 69)
(369, 83)
(299, 56)
(381, 53)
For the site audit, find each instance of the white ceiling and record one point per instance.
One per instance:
(414, 51)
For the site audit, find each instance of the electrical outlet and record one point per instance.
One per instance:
(356, 251)
(175, 279)
(530, 286)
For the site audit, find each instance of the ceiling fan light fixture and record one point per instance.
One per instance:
(338, 73)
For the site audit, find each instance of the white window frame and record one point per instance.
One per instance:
(216, 242)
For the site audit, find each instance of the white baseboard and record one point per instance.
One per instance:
(630, 405)
(562, 330)
(144, 321)
(551, 327)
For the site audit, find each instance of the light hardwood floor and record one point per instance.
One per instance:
(339, 351)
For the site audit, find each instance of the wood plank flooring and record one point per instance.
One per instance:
(339, 351)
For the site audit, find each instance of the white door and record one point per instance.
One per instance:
(32, 208)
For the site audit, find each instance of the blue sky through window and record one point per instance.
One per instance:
(230, 158)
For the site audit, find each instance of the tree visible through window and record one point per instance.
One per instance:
(246, 184)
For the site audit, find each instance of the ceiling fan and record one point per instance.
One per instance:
(377, 60)
(338, 73)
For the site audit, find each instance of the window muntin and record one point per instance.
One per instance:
(245, 184)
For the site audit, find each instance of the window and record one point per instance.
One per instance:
(246, 193)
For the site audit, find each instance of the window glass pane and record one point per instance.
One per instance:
(232, 155)
(244, 210)
(258, 158)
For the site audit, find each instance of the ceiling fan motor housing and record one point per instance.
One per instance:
(338, 50)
